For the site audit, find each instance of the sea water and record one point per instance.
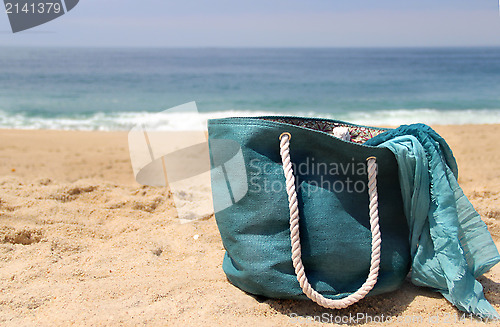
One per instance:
(115, 88)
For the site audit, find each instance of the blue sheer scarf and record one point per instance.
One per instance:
(450, 244)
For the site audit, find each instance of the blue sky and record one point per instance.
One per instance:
(265, 23)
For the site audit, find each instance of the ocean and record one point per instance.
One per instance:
(114, 88)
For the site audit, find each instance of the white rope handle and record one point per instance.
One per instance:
(295, 237)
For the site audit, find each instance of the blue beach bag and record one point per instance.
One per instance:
(313, 212)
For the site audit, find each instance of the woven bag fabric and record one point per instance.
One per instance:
(333, 199)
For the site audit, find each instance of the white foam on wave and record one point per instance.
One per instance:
(189, 121)
(426, 116)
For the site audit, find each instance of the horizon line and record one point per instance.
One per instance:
(253, 47)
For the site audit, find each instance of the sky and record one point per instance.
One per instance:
(267, 23)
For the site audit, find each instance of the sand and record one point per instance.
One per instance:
(81, 243)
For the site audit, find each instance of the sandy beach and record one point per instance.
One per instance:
(81, 243)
